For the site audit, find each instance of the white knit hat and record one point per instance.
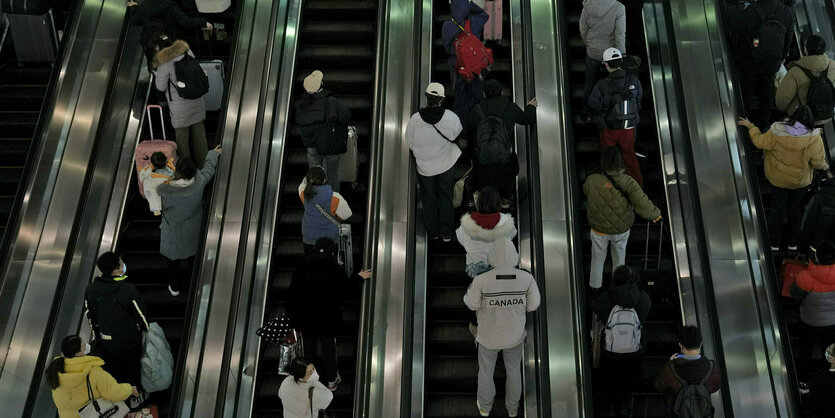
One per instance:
(313, 82)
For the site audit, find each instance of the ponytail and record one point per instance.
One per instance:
(70, 346)
(315, 177)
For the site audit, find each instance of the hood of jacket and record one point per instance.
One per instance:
(76, 370)
(796, 142)
(814, 63)
(432, 115)
(596, 9)
(164, 55)
(503, 254)
(626, 295)
(474, 230)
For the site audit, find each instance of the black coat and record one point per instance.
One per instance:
(627, 296)
(310, 113)
(502, 107)
(318, 289)
(115, 309)
(743, 25)
(600, 99)
(166, 12)
(819, 219)
(500, 176)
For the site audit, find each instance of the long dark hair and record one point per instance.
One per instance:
(70, 346)
(611, 159)
(316, 176)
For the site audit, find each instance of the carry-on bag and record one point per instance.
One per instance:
(157, 361)
(460, 188)
(288, 350)
(142, 155)
(150, 411)
(214, 70)
(346, 249)
(493, 27)
(660, 242)
(275, 330)
(788, 273)
(34, 37)
(348, 162)
(100, 407)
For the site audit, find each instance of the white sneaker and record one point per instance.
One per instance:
(481, 411)
(512, 414)
(774, 249)
(335, 384)
(172, 292)
(793, 247)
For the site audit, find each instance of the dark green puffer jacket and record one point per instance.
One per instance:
(608, 209)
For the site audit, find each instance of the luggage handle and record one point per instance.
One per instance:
(660, 243)
(151, 123)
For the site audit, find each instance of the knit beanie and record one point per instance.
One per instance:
(313, 82)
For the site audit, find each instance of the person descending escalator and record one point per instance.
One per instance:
(323, 121)
(602, 26)
(161, 17)
(616, 101)
(320, 278)
(468, 91)
(431, 135)
(809, 82)
(819, 217)
(793, 150)
(302, 394)
(182, 218)
(501, 297)
(324, 209)
(689, 377)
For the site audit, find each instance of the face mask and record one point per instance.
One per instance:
(124, 268)
(86, 348)
(314, 377)
(827, 356)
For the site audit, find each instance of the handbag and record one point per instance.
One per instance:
(101, 408)
(290, 348)
(460, 188)
(322, 414)
(275, 330)
(788, 273)
(331, 137)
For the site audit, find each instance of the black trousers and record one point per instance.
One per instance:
(593, 75)
(757, 93)
(179, 273)
(786, 203)
(436, 195)
(621, 373)
(809, 335)
(122, 360)
(326, 362)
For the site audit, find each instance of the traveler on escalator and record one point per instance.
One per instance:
(174, 59)
(324, 209)
(430, 134)
(623, 308)
(315, 110)
(794, 89)
(117, 318)
(689, 367)
(68, 376)
(819, 218)
(320, 278)
(760, 36)
(815, 288)
(161, 16)
(613, 199)
(616, 101)
(501, 297)
(602, 26)
(467, 93)
(302, 394)
(793, 150)
(494, 104)
(821, 387)
(494, 162)
(182, 218)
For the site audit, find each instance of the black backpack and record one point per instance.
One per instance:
(767, 45)
(492, 142)
(821, 94)
(623, 108)
(693, 400)
(192, 81)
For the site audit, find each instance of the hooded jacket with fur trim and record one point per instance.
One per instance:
(790, 160)
(794, 88)
(501, 297)
(477, 240)
(71, 395)
(815, 287)
(184, 112)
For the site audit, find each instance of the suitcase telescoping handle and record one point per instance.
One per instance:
(151, 122)
(660, 241)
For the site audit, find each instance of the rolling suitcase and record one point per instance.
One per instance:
(214, 70)
(142, 155)
(25, 7)
(34, 37)
(346, 249)
(348, 162)
(493, 27)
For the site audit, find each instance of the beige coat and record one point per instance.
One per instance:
(794, 87)
(790, 160)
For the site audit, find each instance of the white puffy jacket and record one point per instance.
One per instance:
(477, 241)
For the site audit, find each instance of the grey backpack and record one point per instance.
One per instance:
(623, 331)
(693, 400)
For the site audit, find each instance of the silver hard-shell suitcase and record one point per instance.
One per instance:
(213, 99)
(346, 250)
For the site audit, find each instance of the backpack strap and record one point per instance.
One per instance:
(615, 185)
(678, 378)
(310, 396)
(704, 380)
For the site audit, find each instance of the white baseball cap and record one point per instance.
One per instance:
(435, 89)
(612, 54)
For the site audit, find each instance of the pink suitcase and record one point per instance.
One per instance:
(143, 152)
(493, 27)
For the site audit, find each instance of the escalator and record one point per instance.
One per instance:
(451, 364)
(339, 39)
(657, 269)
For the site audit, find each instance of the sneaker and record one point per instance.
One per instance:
(639, 155)
(481, 410)
(512, 414)
(775, 249)
(473, 329)
(173, 292)
(335, 384)
(804, 388)
(435, 237)
(446, 238)
(792, 247)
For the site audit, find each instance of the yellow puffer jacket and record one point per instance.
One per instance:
(790, 160)
(71, 395)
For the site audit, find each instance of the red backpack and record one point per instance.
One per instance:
(471, 56)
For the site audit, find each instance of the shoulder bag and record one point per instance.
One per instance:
(102, 408)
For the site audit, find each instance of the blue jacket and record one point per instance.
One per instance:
(461, 11)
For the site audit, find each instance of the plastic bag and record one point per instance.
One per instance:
(289, 349)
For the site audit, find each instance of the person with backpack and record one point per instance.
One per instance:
(815, 289)
(117, 318)
(495, 164)
(324, 209)
(501, 297)
(760, 36)
(819, 217)
(502, 107)
(613, 199)
(319, 277)
(182, 218)
(689, 377)
(431, 135)
(793, 150)
(302, 394)
(809, 82)
(467, 81)
(161, 170)
(602, 25)
(616, 101)
(622, 308)
(184, 83)
(323, 120)
(161, 17)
